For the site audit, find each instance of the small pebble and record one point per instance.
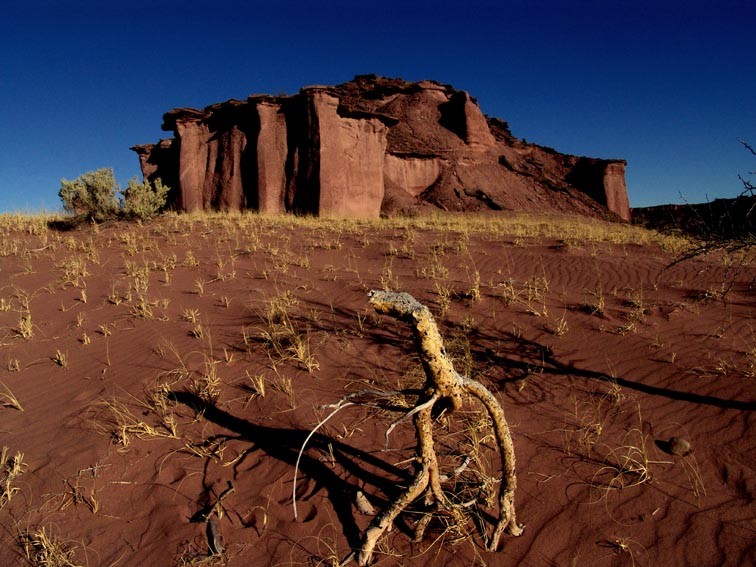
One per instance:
(679, 446)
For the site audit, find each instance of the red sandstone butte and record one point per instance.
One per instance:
(367, 147)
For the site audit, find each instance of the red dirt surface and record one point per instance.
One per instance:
(592, 392)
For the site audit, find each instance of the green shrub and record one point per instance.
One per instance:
(92, 194)
(144, 200)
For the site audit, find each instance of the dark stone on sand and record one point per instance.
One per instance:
(675, 446)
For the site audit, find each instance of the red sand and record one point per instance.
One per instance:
(587, 408)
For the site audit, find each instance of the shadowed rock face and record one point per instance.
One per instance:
(366, 147)
(718, 220)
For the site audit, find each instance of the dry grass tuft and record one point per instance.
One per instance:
(11, 469)
(43, 549)
(117, 421)
(281, 336)
(626, 465)
(8, 398)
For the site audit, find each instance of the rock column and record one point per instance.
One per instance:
(615, 189)
(351, 153)
(193, 154)
(271, 158)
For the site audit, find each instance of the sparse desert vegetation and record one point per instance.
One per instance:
(158, 381)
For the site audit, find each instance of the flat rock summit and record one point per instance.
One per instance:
(369, 147)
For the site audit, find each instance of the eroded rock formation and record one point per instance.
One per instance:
(366, 147)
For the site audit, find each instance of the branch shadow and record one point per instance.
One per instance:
(532, 353)
(284, 444)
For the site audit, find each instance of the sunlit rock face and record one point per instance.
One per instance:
(368, 147)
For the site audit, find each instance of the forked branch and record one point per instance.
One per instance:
(443, 385)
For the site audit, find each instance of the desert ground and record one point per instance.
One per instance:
(158, 381)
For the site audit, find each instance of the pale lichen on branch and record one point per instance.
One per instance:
(446, 388)
(443, 385)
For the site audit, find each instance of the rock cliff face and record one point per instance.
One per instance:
(720, 219)
(367, 147)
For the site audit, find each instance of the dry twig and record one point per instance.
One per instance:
(444, 389)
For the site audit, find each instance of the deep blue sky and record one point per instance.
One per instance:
(668, 85)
